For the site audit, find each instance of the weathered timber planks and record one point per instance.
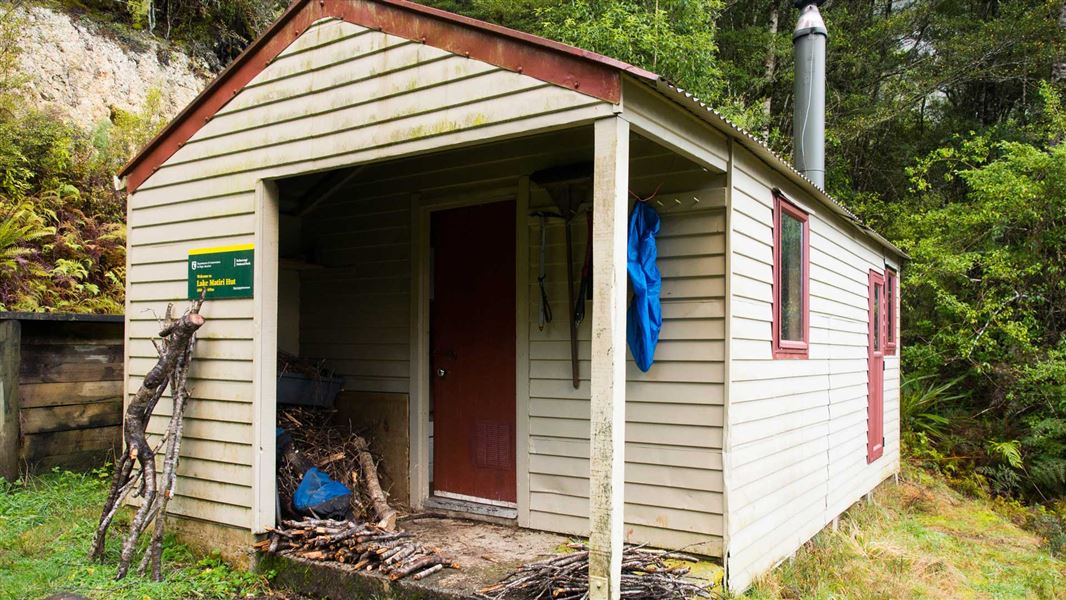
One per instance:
(38, 395)
(72, 416)
(45, 450)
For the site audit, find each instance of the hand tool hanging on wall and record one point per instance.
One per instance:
(569, 187)
(584, 290)
(574, 370)
(544, 316)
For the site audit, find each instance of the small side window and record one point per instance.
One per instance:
(791, 310)
(891, 285)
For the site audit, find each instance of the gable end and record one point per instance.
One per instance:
(572, 68)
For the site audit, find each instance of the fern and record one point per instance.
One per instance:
(921, 400)
(1009, 452)
(19, 227)
(1049, 474)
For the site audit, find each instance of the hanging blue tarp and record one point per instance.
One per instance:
(645, 317)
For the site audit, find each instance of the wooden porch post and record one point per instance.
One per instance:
(10, 351)
(608, 416)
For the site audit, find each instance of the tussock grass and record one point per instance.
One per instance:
(46, 524)
(919, 539)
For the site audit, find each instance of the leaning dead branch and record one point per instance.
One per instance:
(364, 546)
(135, 470)
(647, 574)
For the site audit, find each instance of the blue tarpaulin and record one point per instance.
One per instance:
(321, 494)
(645, 317)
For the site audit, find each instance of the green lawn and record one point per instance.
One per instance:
(46, 524)
(920, 539)
(917, 540)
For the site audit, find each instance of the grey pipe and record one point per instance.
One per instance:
(808, 115)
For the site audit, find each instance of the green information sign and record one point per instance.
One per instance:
(225, 272)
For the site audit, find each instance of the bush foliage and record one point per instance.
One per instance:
(62, 232)
(984, 301)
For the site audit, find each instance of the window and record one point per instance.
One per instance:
(890, 293)
(791, 312)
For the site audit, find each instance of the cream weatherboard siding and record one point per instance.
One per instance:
(339, 95)
(796, 455)
(673, 473)
(355, 312)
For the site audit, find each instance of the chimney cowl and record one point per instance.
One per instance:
(810, 21)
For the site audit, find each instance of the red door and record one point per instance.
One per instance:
(875, 414)
(472, 345)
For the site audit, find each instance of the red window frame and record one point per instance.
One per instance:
(892, 315)
(791, 348)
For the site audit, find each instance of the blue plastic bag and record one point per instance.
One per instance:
(320, 494)
(645, 318)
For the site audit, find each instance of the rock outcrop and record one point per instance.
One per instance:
(82, 69)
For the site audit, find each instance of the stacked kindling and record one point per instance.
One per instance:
(364, 546)
(646, 573)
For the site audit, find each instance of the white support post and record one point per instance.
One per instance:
(264, 403)
(608, 422)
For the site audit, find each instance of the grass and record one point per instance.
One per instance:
(46, 524)
(919, 539)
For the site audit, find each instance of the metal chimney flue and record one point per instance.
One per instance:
(808, 113)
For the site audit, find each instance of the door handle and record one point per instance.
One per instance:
(441, 373)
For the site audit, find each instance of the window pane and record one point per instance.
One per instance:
(891, 283)
(791, 279)
(877, 317)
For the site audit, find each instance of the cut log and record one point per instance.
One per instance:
(385, 514)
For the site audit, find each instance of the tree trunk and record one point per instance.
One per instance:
(770, 63)
(1058, 69)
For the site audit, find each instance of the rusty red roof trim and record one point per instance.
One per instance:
(586, 72)
(524, 37)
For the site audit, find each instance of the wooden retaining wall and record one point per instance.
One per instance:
(68, 392)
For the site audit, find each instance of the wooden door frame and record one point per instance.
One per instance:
(875, 280)
(265, 351)
(422, 210)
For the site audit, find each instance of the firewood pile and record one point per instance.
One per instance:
(290, 363)
(364, 546)
(341, 453)
(646, 574)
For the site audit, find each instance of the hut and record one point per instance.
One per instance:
(367, 184)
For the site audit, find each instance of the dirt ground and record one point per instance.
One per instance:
(485, 552)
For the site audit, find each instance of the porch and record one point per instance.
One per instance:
(359, 280)
(485, 553)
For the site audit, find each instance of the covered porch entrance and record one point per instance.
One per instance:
(417, 280)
